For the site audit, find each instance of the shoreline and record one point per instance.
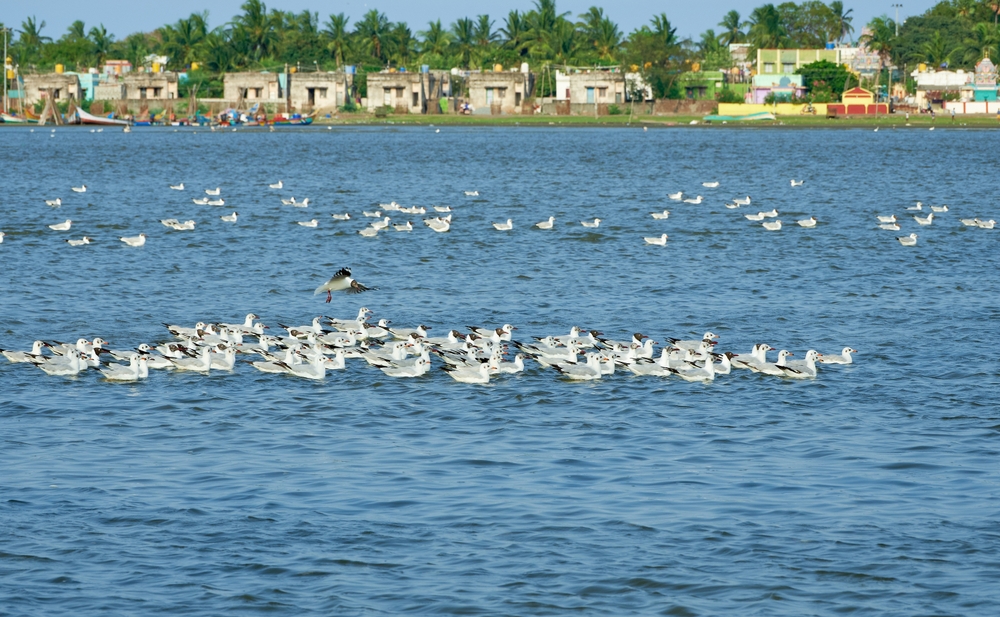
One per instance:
(891, 121)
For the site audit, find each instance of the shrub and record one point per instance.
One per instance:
(615, 110)
(728, 96)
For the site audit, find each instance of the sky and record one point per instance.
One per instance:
(122, 17)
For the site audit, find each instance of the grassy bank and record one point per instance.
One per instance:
(893, 120)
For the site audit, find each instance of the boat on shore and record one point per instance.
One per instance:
(13, 119)
(82, 117)
(763, 115)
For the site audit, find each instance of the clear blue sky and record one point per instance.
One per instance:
(122, 17)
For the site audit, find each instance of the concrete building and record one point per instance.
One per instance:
(311, 91)
(590, 87)
(63, 86)
(784, 87)
(255, 87)
(500, 92)
(150, 86)
(407, 92)
(934, 86)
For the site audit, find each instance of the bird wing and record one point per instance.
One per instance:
(357, 288)
(336, 282)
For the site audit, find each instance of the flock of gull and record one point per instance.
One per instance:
(891, 222)
(441, 219)
(475, 356)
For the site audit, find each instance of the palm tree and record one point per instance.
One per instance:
(485, 36)
(966, 8)
(664, 31)
(435, 39)
(400, 44)
(464, 39)
(373, 29)
(339, 38)
(937, 51)
(515, 33)
(881, 38)
(732, 29)
(841, 20)
(607, 39)
(101, 41)
(256, 29)
(981, 42)
(30, 40)
(766, 28)
(182, 39)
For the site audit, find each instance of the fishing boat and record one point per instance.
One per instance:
(12, 119)
(763, 115)
(293, 121)
(82, 117)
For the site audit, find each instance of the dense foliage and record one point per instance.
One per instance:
(954, 32)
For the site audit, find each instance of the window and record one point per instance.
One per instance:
(322, 93)
(502, 93)
(768, 67)
(157, 92)
(602, 94)
(142, 93)
(787, 67)
(399, 93)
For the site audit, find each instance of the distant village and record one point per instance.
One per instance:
(785, 59)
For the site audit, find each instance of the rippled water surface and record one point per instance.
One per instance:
(872, 489)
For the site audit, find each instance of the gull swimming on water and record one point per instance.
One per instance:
(809, 222)
(695, 201)
(660, 215)
(80, 242)
(504, 226)
(679, 195)
(798, 182)
(79, 189)
(309, 223)
(177, 187)
(926, 220)
(889, 226)
(887, 219)
(710, 185)
(660, 241)
(472, 193)
(742, 202)
(546, 224)
(213, 192)
(64, 226)
(230, 218)
(341, 217)
(772, 225)
(342, 281)
(134, 240)
(910, 240)
(981, 224)
(439, 224)
(276, 185)
(843, 358)
(754, 217)
(55, 203)
(369, 232)
(595, 223)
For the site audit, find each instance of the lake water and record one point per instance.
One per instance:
(872, 489)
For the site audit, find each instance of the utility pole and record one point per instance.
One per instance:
(5, 68)
(897, 6)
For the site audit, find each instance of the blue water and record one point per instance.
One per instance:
(872, 489)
